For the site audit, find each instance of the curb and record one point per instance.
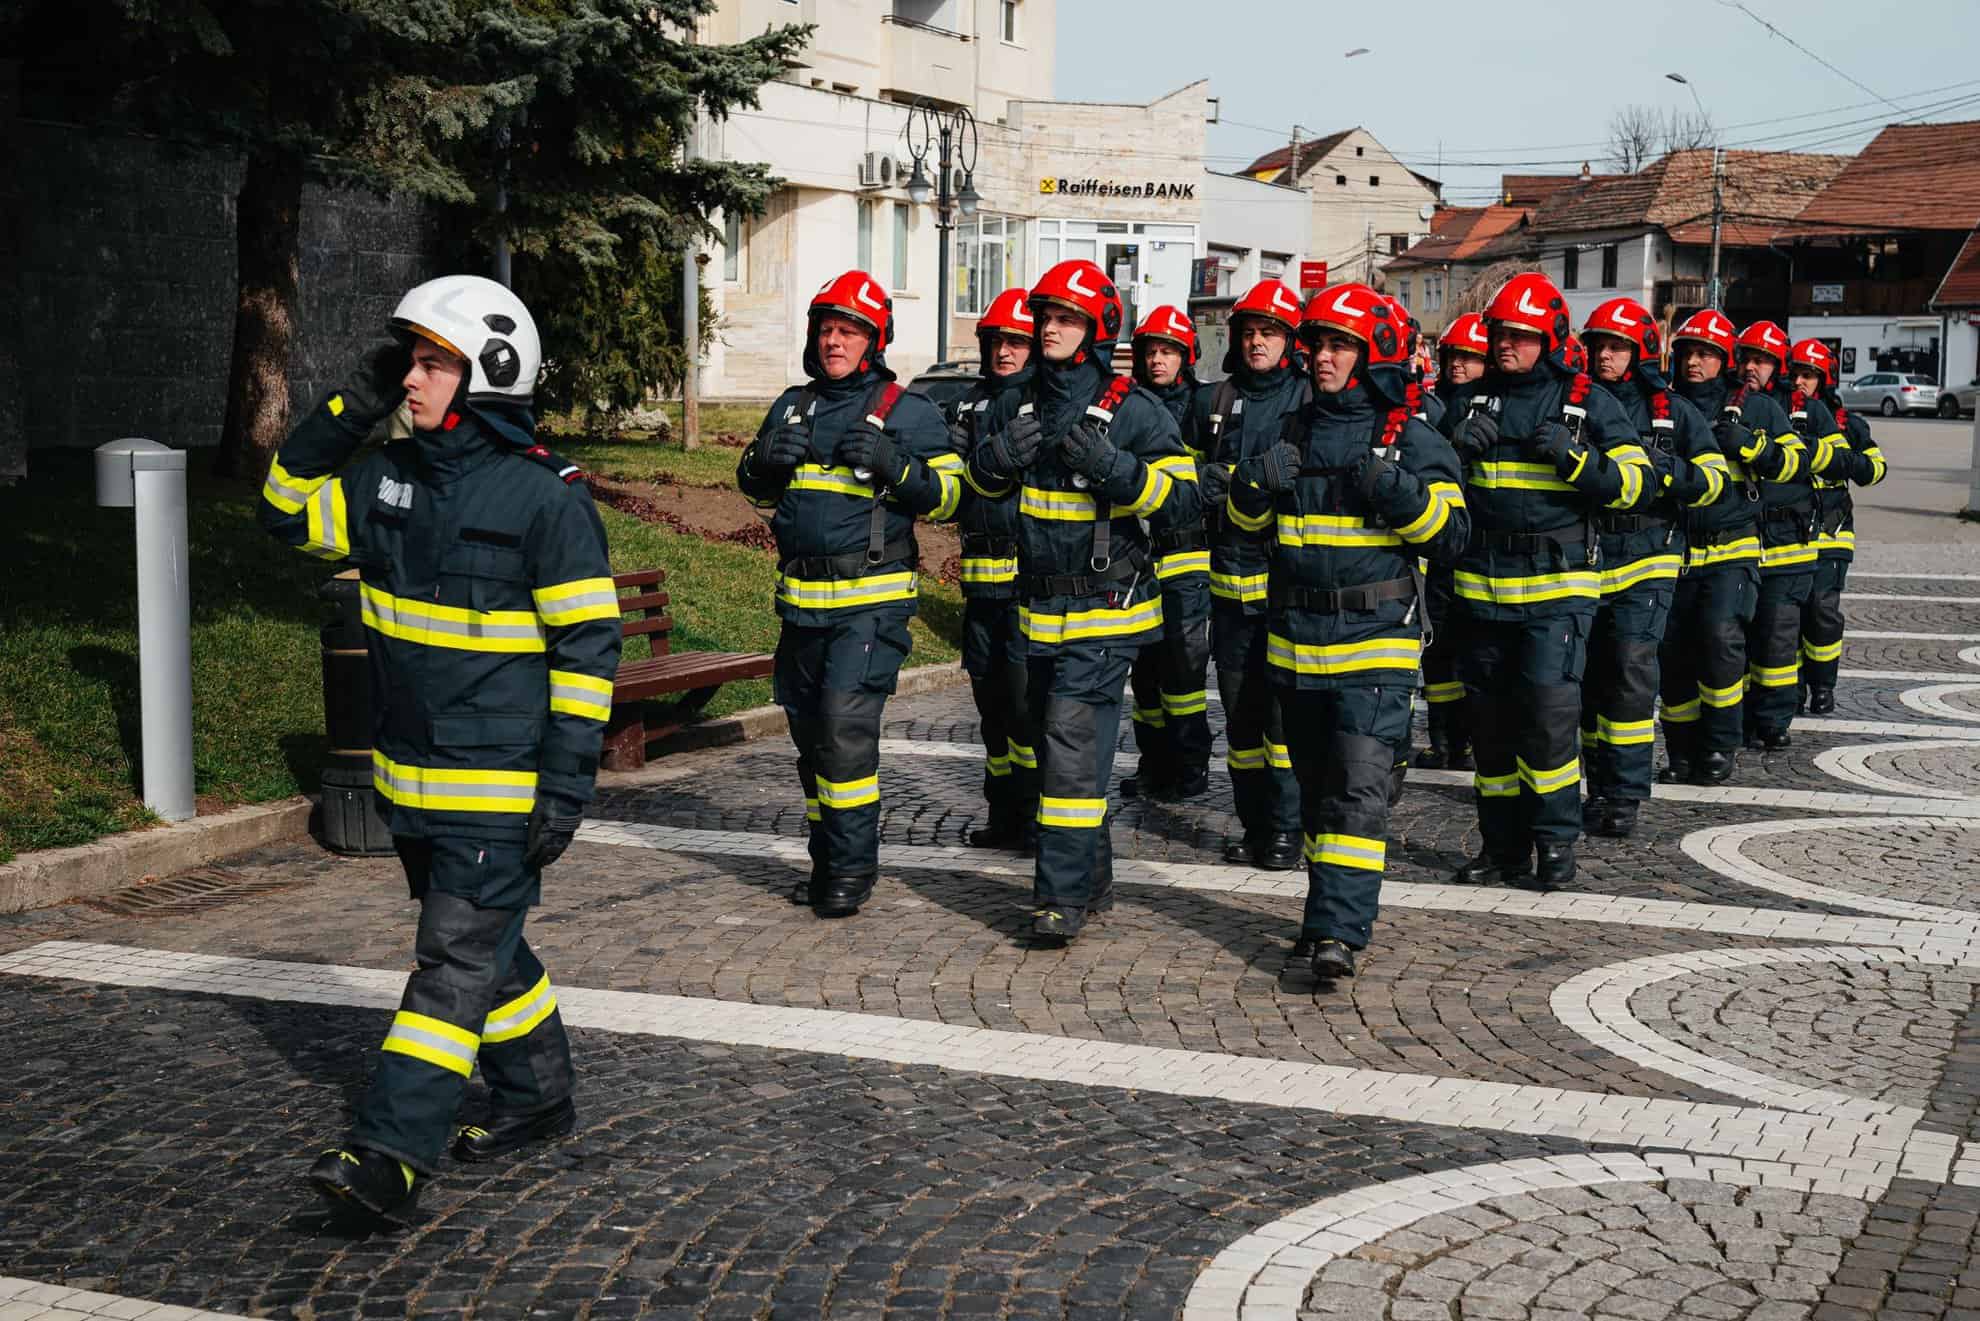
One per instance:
(119, 861)
(759, 722)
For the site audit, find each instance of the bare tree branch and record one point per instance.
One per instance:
(1687, 130)
(1633, 135)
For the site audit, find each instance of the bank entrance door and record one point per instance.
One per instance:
(1123, 267)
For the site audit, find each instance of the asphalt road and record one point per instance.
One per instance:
(1930, 474)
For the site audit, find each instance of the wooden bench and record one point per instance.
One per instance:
(694, 674)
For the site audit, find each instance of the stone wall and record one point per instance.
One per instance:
(123, 262)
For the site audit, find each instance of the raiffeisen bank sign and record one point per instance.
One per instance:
(1111, 188)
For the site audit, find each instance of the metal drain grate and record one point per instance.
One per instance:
(187, 893)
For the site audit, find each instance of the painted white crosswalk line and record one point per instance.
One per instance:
(1851, 762)
(1955, 939)
(1859, 1153)
(25, 1300)
(1718, 847)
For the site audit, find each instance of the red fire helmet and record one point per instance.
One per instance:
(1531, 302)
(1768, 338)
(1814, 353)
(861, 297)
(1009, 313)
(1085, 288)
(1466, 335)
(1708, 327)
(1271, 300)
(1167, 322)
(1625, 318)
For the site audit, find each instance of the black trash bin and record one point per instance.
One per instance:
(351, 823)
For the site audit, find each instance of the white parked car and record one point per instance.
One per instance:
(1957, 399)
(1891, 393)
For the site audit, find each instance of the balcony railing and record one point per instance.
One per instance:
(902, 20)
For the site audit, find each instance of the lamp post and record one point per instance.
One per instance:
(951, 135)
(1718, 191)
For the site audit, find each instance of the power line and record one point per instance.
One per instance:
(1735, 4)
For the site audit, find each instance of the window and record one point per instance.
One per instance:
(731, 246)
(1007, 20)
(1398, 244)
(1571, 269)
(1609, 267)
(1402, 290)
(864, 259)
(989, 259)
(901, 215)
(1340, 181)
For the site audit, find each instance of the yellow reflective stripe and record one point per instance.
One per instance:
(1180, 467)
(329, 530)
(1715, 483)
(438, 1043)
(1249, 522)
(838, 480)
(1648, 569)
(1525, 591)
(1732, 552)
(1518, 476)
(1549, 781)
(997, 766)
(1097, 623)
(951, 487)
(986, 569)
(1817, 651)
(1682, 713)
(1073, 813)
(1794, 552)
(1278, 756)
(1239, 586)
(1628, 454)
(428, 625)
(950, 462)
(1333, 530)
(839, 593)
(576, 601)
(577, 694)
(520, 1016)
(1400, 653)
(1186, 704)
(1877, 465)
(1840, 539)
(811, 812)
(987, 492)
(1774, 676)
(1825, 450)
(1245, 759)
(1150, 716)
(1495, 786)
(1622, 733)
(1154, 491)
(1793, 449)
(1021, 755)
(1444, 692)
(843, 795)
(1182, 562)
(288, 492)
(1632, 484)
(1058, 506)
(1721, 698)
(1444, 497)
(1356, 851)
(449, 789)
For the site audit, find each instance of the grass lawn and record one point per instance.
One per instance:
(638, 454)
(69, 750)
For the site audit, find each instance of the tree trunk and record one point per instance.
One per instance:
(267, 246)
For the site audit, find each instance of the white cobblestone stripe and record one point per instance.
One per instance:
(1873, 635)
(1718, 847)
(1832, 1149)
(1883, 728)
(25, 1300)
(1920, 577)
(1850, 763)
(1915, 600)
(1934, 933)
(1908, 676)
(1969, 656)
(1595, 1005)
(1931, 700)
(1739, 795)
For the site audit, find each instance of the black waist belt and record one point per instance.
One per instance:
(1334, 600)
(1797, 513)
(1123, 568)
(983, 545)
(1182, 539)
(1723, 536)
(1833, 519)
(856, 565)
(1625, 523)
(1532, 543)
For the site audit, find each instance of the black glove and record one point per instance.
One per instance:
(1380, 480)
(377, 384)
(786, 449)
(552, 824)
(1550, 443)
(866, 449)
(1732, 437)
(1214, 481)
(961, 435)
(1475, 435)
(1275, 470)
(1088, 452)
(1004, 455)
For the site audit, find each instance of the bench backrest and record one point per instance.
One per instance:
(649, 602)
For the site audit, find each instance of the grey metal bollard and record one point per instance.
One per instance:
(150, 477)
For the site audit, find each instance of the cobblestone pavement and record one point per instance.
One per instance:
(1734, 1073)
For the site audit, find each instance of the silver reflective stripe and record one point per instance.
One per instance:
(433, 1041)
(566, 604)
(282, 488)
(388, 610)
(1350, 851)
(576, 694)
(498, 1029)
(417, 788)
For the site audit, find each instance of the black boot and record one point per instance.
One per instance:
(1619, 819)
(1594, 811)
(504, 1134)
(1300, 961)
(1028, 838)
(1278, 852)
(358, 1179)
(1555, 869)
(1331, 961)
(1190, 784)
(1461, 757)
(1715, 768)
(1775, 740)
(1821, 699)
(1488, 870)
(801, 892)
(840, 896)
(1002, 832)
(1397, 775)
(1238, 851)
(1055, 928)
(1145, 783)
(1678, 770)
(1436, 757)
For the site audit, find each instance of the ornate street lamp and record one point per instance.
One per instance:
(951, 135)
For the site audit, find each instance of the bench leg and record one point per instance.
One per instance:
(625, 740)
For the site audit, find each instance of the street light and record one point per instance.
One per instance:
(950, 134)
(1718, 190)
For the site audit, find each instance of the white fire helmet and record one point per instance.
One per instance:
(479, 320)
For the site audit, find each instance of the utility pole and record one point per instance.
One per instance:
(1718, 221)
(1292, 174)
(1368, 258)
(691, 296)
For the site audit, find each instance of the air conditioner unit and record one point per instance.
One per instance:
(877, 169)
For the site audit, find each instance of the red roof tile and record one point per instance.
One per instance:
(1961, 287)
(1763, 191)
(1911, 176)
(1310, 152)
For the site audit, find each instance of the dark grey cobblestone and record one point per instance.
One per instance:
(1914, 1259)
(154, 1144)
(1887, 859)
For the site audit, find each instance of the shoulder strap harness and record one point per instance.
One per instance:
(567, 472)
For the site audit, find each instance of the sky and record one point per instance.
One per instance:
(1529, 92)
